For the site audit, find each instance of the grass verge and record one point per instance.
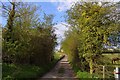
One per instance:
(26, 72)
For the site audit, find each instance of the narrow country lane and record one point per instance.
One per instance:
(62, 71)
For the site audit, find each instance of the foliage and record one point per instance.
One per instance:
(70, 46)
(93, 25)
(31, 41)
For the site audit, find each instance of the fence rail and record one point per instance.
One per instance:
(106, 71)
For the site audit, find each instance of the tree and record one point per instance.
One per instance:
(32, 41)
(94, 25)
(8, 39)
(42, 43)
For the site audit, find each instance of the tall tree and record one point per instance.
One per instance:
(94, 25)
(32, 40)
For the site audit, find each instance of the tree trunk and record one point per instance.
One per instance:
(11, 17)
(10, 22)
(91, 66)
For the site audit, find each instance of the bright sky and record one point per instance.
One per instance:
(57, 8)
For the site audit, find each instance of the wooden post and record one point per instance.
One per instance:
(103, 72)
(117, 73)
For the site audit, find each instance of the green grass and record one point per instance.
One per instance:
(61, 70)
(106, 60)
(111, 55)
(26, 72)
(13, 71)
(84, 75)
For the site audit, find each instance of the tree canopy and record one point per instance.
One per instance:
(92, 24)
(27, 39)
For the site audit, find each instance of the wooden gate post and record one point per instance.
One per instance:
(103, 72)
(117, 73)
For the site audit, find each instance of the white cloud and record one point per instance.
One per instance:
(60, 28)
(63, 6)
(59, 0)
